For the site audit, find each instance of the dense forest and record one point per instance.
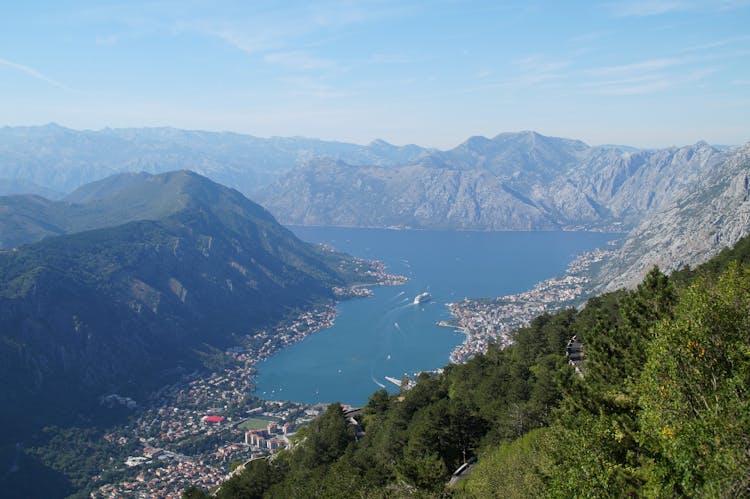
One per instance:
(659, 408)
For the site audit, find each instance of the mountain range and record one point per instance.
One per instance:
(53, 159)
(678, 206)
(513, 181)
(522, 181)
(132, 280)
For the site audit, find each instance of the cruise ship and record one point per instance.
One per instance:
(422, 297)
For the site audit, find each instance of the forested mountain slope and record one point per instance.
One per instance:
(149, 274)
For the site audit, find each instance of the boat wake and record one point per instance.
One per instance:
(381, 385)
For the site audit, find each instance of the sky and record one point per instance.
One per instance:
(634, 72)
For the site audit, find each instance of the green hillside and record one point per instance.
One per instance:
(170, 267)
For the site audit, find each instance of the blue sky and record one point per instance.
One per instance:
(644, 73)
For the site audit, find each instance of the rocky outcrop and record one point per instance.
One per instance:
(336, 194)
(712, 212)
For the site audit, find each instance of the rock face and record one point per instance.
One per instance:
(336, 194)
(521, 181)
(51, 158)
(710, 213)
(116, 303)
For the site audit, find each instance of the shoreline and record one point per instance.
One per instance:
(161, 429)
(492, 320)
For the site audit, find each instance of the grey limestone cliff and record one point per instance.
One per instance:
(522, 181)
(710, 213)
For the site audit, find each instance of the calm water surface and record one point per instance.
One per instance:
(386, 334)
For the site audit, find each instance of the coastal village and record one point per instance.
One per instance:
(194, 431)
(197, 431)
(492, 320)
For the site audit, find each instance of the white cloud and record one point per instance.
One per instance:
(537, 69)
(716, 44)
(33, 73)
(634, 87)
(649, 65)
(645, 8)
(397, 58)
(298, 61)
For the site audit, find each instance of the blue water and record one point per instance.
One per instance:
(386, 334)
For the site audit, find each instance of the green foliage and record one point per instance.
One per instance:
(257, 477)
(193, 492)
(694, 391)
(79, 454)
(519, 469)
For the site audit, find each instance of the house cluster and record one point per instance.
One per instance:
(271, 437)
(494, 320)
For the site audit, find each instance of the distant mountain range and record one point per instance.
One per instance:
(513, 181)
(679, 205)
(138, 276)
(47, 159)
(522, 181)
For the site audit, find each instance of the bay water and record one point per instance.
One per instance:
(387, 335)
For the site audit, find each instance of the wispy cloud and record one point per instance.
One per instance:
(250, 40)
(588, 37)
(33, 73)
(716, 44)
(483, 73)
(638, 67)
(733, 4)
(397, 58)
(305, 86)
(298, 60)
(291, 29)
(536, 69)
(629, 86)
(644, 77)
(646, 8)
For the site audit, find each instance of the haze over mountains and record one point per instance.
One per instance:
(514, 181)
(146, 273)
(51, 158)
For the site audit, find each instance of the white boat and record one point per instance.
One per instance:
(422, 297)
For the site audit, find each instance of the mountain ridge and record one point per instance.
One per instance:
(52, 157)
(535, 183)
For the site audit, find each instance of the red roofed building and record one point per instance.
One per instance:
(212, 419)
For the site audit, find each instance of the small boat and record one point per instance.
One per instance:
(422, 297)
